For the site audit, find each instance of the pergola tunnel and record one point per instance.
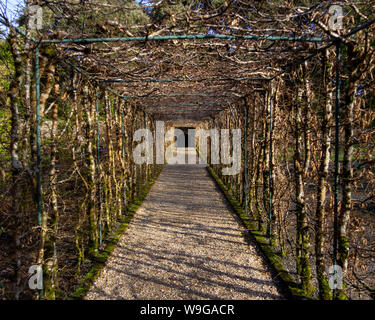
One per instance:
(273, 196)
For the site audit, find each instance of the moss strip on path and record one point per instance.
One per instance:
(262, 241)
(100, 261)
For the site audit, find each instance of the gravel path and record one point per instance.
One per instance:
(184, 243)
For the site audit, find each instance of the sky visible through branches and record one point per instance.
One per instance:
(12, 6)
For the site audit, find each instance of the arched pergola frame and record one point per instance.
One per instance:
(338, 42)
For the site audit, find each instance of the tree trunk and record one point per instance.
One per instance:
(302, 237)
(13, 97)
(50, 265)
(90, 160)
(326, 118)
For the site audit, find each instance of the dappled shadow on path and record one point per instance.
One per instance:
(183, 243)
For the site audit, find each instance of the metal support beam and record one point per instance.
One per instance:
(182, 111)
(123, 150)
(270, 173)
(38, 146)
(188, 37)
(337, 151)
(185, 105)
(181, 95)
(182, 80)
(98, 166)
(245, 186)
(38, 137)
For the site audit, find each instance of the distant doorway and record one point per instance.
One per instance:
(187, 141)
